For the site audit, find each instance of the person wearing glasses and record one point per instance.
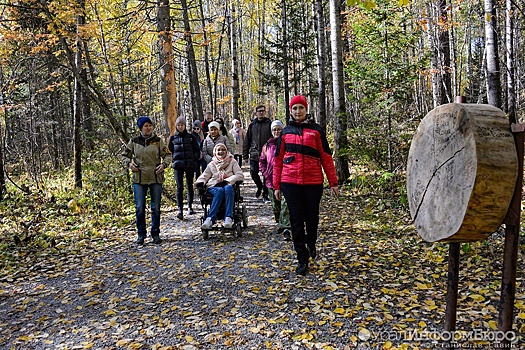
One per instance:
(238, 134)
(259, 132)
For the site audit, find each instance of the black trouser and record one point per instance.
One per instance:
(179, 179)
(254, 173)
(303, 205)
(238, 158)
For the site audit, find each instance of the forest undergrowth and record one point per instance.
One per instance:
(382, 279)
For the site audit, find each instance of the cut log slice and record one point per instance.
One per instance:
(461, 172)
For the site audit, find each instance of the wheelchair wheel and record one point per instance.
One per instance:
(238, 229)
(204, 216)
(244, 217)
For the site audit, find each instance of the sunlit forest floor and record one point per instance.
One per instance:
(80, 281)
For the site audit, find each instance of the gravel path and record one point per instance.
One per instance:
(187, 293)
(370, 287)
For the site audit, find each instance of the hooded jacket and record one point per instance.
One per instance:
(147, 154)
(302, 153)
(185, 150)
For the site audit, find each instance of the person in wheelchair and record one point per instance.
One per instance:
(219, 177)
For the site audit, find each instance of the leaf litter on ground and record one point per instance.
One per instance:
(375, 285)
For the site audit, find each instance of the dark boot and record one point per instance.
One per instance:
(312, 251)
(180, 216)
(157, 240)
(140, 240)
(301, 269)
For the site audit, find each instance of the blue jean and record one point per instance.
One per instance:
(220, 194)
(139, 192)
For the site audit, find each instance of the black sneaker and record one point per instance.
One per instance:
(157, 240)
(301, 269)
(313, 252)
(266, 199)
(287, 235)
(140, 240)
(180, 216)
(258, 193)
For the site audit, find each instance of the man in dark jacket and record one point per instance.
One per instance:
(259, 132)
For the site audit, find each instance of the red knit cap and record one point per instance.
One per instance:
(299, 99)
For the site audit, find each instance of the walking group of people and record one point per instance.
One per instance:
(290, 158)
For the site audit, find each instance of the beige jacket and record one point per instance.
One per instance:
(210, 176)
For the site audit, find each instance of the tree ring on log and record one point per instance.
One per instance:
(461, 172)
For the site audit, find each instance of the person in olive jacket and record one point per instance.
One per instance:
(147, 157)
(186, 152)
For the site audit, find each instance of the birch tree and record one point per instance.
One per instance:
(340, 117)
(492, 55)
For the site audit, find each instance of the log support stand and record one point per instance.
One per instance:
(512, 230)
(510, 254)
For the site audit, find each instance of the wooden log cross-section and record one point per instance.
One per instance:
(461, 172)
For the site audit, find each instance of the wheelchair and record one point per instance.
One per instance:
(240, 216)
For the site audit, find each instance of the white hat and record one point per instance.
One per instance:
(214, 124)
(277, 123)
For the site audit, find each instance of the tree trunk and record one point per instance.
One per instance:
(340, 118)
(168, 87)
(192, 64)
(491, 45)
(461, 172)
(78, 105)
(286, 83)
(207, 68)
(444, 54)
(511, 81)
(234, 61)
(2, 142)
(321, 63)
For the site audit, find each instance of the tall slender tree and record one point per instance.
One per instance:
(511, 78)
(78, 106)
(168, 86)
(234, 60)
(321, 62)
(196, 100)
(340, 119)
(491, 47)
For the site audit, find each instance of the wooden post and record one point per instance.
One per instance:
(452, 286)
(510, 255)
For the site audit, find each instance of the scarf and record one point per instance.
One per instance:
(237, 136)
(221, 165)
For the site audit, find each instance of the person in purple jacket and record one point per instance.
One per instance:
(266, 161)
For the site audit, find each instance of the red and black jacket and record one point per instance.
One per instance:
(301, 155)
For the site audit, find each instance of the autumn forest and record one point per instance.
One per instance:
(76, 75)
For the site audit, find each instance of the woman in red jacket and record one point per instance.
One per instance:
(301, 156)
